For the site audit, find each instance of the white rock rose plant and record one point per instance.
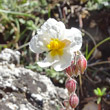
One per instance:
(62, 47)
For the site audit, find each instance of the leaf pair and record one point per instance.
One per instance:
(98, 92)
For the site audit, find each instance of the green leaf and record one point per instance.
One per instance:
(99, 92)
(86, 50)
(43, 2)
(51, 73)
(96, 92)
(104, 91)
(99, 1)
(17, 13)
(49, 12)
(22, 21)
(99, 100)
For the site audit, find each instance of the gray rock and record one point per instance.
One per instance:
(62, 93)
(10, 56)
(23, 89)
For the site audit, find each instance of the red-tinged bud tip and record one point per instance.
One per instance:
(82, 64)
(73, 100)
(69, 71)
(71, 85)
(66, 103)
(72, 70)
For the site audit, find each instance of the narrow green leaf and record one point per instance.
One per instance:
(99, 92)
(99, 100)
(100, 43)
(96, 92)
(49, 12)
(104, 91)
(86, 50)
(17, 13)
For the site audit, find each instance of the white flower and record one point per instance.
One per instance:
(60, 44)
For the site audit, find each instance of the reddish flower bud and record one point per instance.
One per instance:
(73, 100)
(71, 85)
(76, 70)
(69, 71)
(72, 70)
(66, 103)
(82, 64)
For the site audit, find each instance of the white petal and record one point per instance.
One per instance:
(64, 61)
(35, 46)
(74, 35)
(48, 61)
(53, 28)
(38, 44)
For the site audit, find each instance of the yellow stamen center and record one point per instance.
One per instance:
(56, 46)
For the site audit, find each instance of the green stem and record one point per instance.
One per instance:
(103, 41)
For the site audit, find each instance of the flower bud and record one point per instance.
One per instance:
(73, 100)
(69, 71)
(82, 64)
(71, 85)
(76, 70)
(66, 103)
(72, 70)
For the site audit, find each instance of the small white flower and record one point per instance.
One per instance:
(59, 42)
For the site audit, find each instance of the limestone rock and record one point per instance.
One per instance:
(23, 89)
(10, 56)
